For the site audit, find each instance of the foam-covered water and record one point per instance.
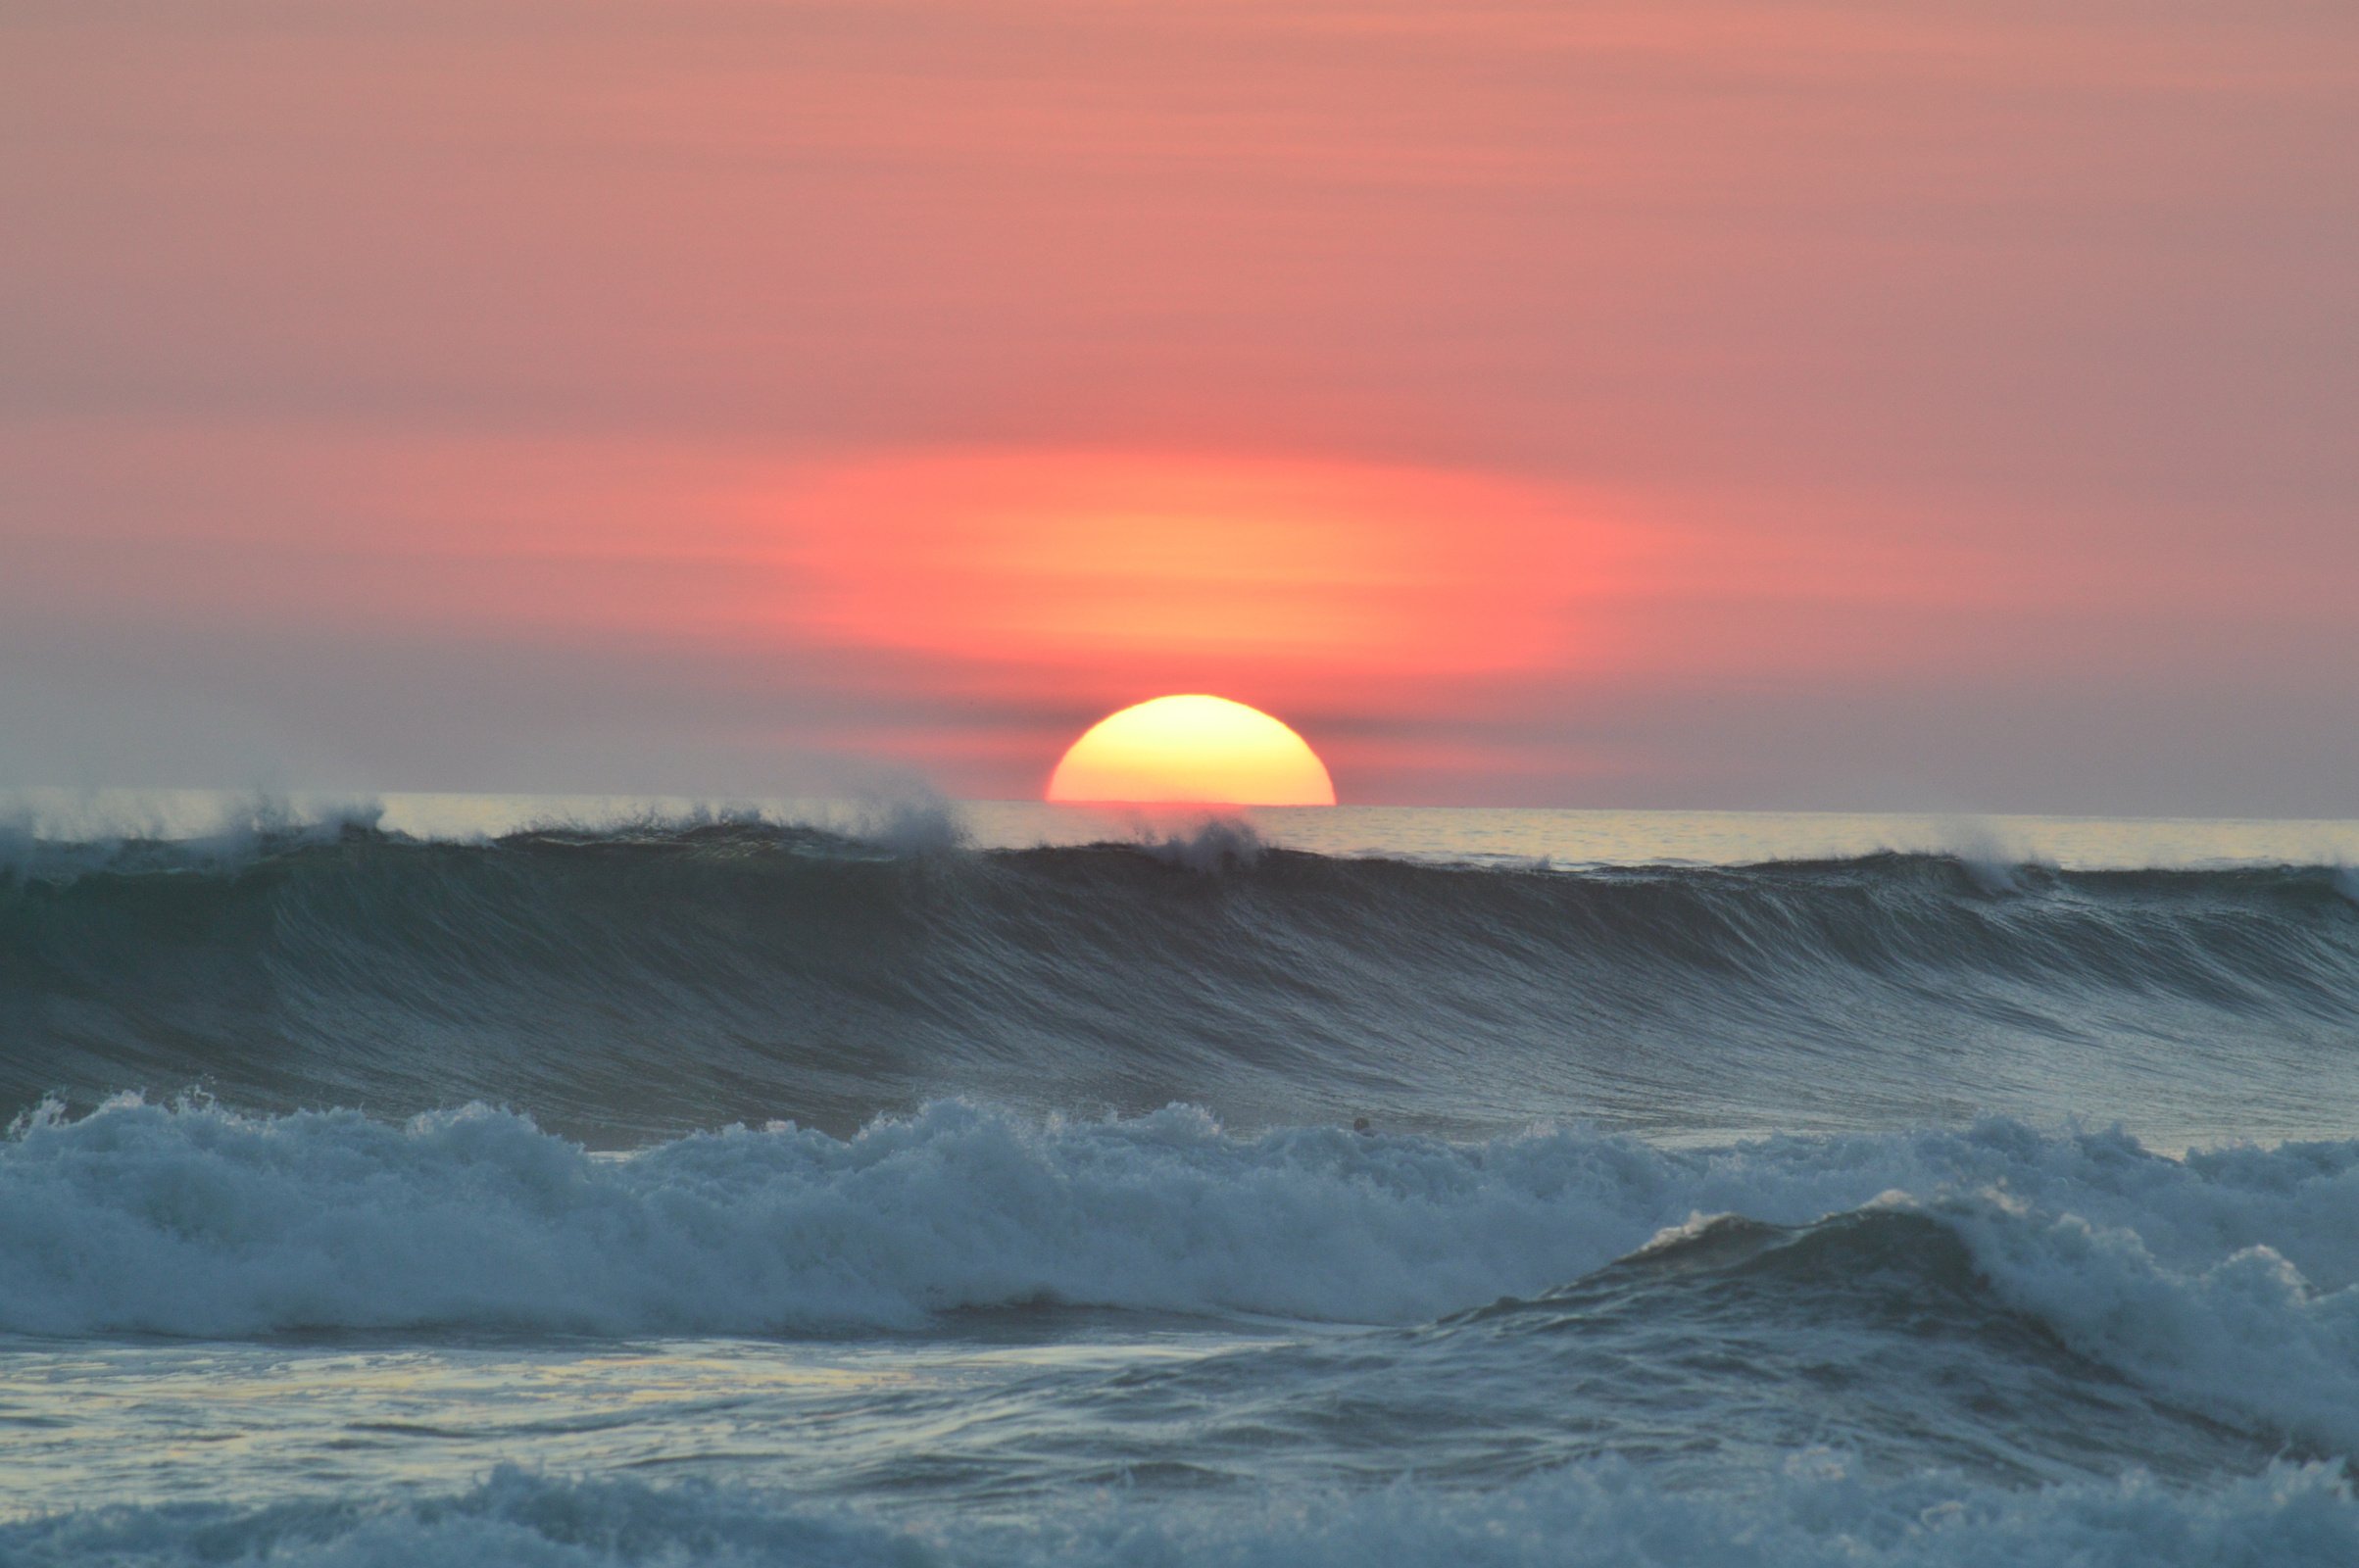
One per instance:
(1606, 1516)
(726, 1190)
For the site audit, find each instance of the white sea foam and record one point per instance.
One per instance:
(1207, 843)
(134, 833)
(1817, 1516)
(2225, 1279)
(910, 824)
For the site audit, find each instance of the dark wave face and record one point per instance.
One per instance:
(631, 984)
(1706, 1357)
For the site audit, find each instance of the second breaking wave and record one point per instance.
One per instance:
(2227, 1281)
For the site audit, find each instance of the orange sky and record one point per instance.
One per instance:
(1844, 405)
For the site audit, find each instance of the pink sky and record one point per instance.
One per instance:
(1943, 407)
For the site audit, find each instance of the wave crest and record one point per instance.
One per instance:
(640, 981)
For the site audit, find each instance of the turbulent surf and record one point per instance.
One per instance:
(736, 1192)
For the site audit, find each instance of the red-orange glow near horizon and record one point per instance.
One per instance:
(1303, 579)
(1195, 751)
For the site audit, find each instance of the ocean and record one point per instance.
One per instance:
(472, 1180)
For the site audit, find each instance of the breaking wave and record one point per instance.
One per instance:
(2227, 1280)
(638, 983)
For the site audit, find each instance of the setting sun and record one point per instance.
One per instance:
(1194, 750)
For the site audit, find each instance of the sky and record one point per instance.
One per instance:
(1945, 406)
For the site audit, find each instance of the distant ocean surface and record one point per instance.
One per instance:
(543, 1181)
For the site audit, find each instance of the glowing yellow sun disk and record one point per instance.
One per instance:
(1197, 750)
